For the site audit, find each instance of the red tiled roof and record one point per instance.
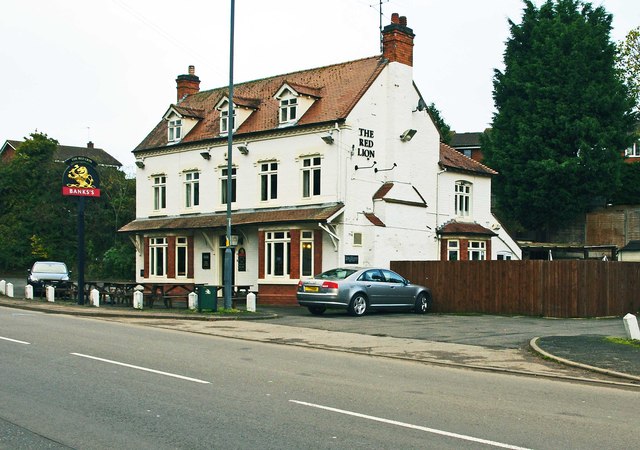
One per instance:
(189, 112)
(305, 90)
(219, 220)
(338, 87)
(455, 227)
(252, 103)
(452, 159)
(381, 194)
(384, 190)
(374, 219)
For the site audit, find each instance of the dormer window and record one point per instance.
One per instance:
(242, 109)
(180, 121)
(288, 110)
(294, 101)
(175, 130)
(224, 121)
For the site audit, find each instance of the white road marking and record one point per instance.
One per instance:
(195, 380)
(414, 427)
(14, 340)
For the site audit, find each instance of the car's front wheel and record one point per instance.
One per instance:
(423, 303)
(316, 310)
(358, 305)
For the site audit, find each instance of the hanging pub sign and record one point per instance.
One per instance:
(81, 178)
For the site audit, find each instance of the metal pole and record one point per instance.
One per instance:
(228, 260)
(81, 251)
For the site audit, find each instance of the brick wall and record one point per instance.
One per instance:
(397, 41)
(295, 253)
(277, 294)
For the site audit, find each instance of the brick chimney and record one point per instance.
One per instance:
(397, 41)
(90, 144)
(187, 84)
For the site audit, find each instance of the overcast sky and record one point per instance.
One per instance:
(104, 71)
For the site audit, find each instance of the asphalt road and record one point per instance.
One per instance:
(81, 383)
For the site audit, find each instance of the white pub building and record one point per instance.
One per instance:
(333, 166)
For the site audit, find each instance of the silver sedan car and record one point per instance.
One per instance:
(359, 290)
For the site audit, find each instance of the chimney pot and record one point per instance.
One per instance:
(187, 84)
(397, 41)
(89, 144)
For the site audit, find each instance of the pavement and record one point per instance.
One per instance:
(579, 357)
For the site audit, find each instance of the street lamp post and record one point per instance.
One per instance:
(228, 257)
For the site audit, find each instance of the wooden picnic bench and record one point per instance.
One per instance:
(167, 292)
(117, 292)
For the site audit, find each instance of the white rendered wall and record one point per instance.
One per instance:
(371, 133)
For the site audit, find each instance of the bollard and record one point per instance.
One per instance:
(10, 290)
(138, 297)
(631, 326)
(251, 302)
(3, 287)
(193, 301)
(94, 298)
(28, 292)
(51, 293)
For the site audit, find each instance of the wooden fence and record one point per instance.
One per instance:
(575, 288)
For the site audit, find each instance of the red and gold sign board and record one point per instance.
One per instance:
(81, 178)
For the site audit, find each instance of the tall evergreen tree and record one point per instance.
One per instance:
(443, 128)
(563, 115)
(628, 63)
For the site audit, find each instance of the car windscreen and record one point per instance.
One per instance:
(335, 274)
(45, 267)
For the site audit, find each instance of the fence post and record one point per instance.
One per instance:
(50, 293)
(138, 297)
(193, 301)
(251, 302)
(631, 326)
(94, 297)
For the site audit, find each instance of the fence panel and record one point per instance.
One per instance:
(572, 288)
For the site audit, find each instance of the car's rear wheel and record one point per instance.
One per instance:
(358, 305)
(423, 303)
(316, 310)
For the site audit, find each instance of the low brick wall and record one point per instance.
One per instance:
(277, 295)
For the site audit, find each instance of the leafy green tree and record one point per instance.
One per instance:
(103, 218)
(563, 116)
(629, 192)
(443, 128)
(38, 222)
(628, 64)
(119, 262)
(36, 218)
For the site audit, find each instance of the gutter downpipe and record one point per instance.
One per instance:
(438, 195)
